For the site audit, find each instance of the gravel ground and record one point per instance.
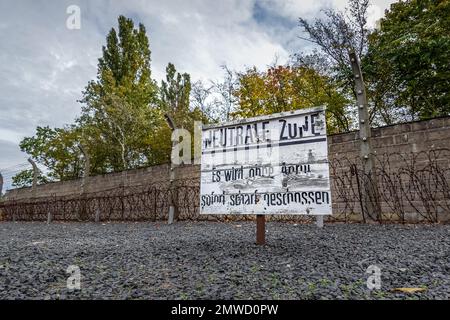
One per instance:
(209, 260)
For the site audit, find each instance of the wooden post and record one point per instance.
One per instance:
(260, 229)
(370, 192)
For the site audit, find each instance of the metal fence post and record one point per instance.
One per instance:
(173, 212)
(35, 181)
(172, 208)
(97, 214)
(1, 185)
(49, 217)
(370, 190)
(35, 176)
(1, 193)
(319, 221)
(84, 180)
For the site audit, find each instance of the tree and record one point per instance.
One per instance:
(225, 102)
(57, 150)
(120, 107)
(286, 88)
(405, 64)
(335, 35)
(216, 100)
(204, 99)
(120, 121)
(25, 179)
(410, 54)
(175, 96)
(338, 33)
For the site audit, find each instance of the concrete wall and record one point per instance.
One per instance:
(406, 138)
(398, 141)
(156, 174)
(421, 147)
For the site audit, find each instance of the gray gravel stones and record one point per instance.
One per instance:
(209, 260)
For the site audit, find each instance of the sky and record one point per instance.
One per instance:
(44, 65)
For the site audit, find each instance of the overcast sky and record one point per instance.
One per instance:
(44, 66)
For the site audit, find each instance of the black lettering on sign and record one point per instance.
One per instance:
(231, 130)
(305, 126)
(265, 131)
(215, 175)
(234, 173)
(250, 134)
(210, 199)
(223, 137)
(292, 130)
(239, 199)
(239, 132)
(283, 134)
(313, 124)
(301, 197)
(295, 168)
(259, 132)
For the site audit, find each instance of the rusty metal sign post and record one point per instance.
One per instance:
(260, 229)
(269, 165)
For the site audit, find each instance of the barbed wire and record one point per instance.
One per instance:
(140, 202)
(413, 186)
(408, 185)
(15, 168)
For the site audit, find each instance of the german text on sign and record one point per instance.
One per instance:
(276, 164)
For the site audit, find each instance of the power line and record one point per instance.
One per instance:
(14, 167)
(12, 172)
(5, 173)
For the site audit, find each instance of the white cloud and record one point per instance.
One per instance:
(44, 66)
(293, 9)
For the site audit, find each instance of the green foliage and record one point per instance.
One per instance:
(120, 110)
(406, 67)
(25, 179)
(175, 98)
(406, 63)
(175, 92)
(122, 124)
(286, 88)
(411, 53)
(56, 149)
